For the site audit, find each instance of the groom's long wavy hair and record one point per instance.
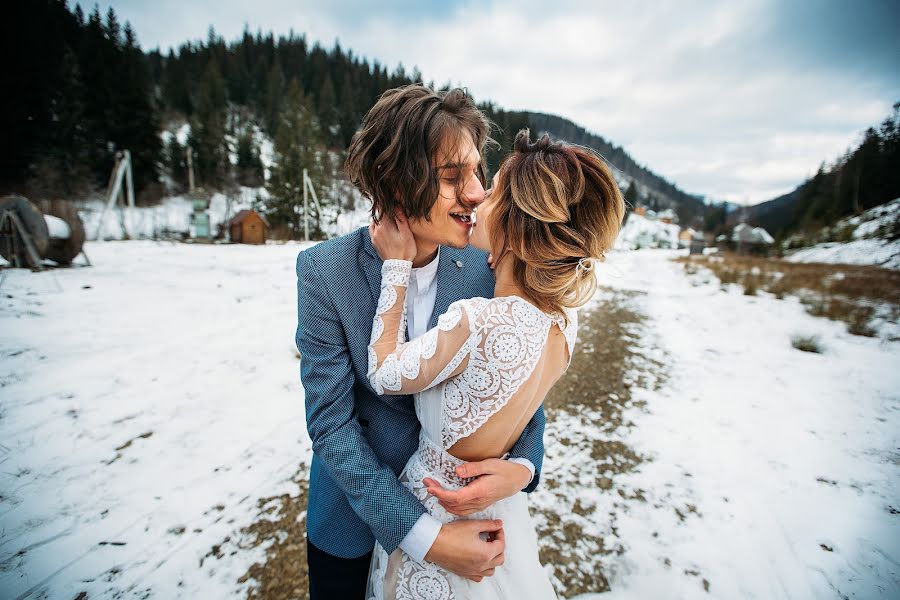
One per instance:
(391, 157)
(559, 208)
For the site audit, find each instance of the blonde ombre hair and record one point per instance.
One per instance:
(559, 209)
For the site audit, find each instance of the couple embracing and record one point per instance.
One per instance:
(424, 369)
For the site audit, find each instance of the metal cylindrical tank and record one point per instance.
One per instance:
(32, 221)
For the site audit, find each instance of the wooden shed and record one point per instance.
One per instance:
(248, 227)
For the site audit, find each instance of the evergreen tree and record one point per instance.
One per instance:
(274, 92)
(249, 165)
(298, 146)
(207, 139)
(716, 218)
(175, 160)
(63, 166)
(112, 30)
(138, 118)
(327, 112)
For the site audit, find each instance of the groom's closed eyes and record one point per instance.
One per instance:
(450, 173)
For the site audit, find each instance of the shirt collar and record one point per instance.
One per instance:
(425, 275)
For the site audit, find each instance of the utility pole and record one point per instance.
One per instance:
(189, 153)
(307, 184)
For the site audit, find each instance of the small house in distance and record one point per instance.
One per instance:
(667, 216)
(248, 227)
(685, 237)
(690, 238)
(746, 239)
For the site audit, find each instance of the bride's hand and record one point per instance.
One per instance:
(392, 238)
(495, 479)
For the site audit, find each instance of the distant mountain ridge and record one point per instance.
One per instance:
(616, 155)
(650, 189)
(861, 179)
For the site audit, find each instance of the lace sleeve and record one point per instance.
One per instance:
(398, 367)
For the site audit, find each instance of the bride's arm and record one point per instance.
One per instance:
(398, 367)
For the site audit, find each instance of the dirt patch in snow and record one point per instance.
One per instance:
(576, 505)
(280, 528)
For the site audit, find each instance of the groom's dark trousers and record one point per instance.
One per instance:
(334, 578)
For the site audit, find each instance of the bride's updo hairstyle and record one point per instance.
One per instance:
(560, 208)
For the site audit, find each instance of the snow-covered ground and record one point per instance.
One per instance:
(855, 252)
(790, 459)
(171, 217)
(868, 246)
(148, 402)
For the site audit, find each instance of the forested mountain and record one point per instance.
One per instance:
(80, 89)
(857, 181)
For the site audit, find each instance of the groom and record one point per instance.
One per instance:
(418, 152)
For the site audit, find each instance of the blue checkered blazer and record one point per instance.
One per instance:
(361, 441)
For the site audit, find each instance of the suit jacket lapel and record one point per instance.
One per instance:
(372, 267)
(450, 279)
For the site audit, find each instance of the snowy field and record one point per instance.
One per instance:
(148, 402)
(788, 463)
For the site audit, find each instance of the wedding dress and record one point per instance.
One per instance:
(480, 356)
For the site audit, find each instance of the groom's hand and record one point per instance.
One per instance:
(496, 479)
(460, 548)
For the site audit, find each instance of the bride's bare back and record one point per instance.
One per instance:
(481, 373)
(500, 432)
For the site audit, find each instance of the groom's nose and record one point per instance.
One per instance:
(472, 194)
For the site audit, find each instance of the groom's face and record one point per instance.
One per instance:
(452, 217)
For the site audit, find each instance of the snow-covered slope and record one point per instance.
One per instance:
(641, 232)
(868, 246)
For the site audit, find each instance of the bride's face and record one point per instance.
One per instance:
(481, 234)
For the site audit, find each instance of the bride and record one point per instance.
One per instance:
(480, 375)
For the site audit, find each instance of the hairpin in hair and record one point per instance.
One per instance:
(585, 265)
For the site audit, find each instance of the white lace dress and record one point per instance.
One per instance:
(462, 372)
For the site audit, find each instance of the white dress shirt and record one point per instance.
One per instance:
(420, 298)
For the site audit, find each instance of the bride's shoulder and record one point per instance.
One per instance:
(468, 307)
(502, 310)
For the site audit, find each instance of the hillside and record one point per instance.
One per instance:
(872, 238)
(861, 179)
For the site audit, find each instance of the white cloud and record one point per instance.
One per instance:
(712, 96)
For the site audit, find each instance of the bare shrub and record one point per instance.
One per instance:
(807, 343)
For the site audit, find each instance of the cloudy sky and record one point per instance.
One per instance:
(738, 100)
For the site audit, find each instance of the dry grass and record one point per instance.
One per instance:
(848, 293)
(808, 343)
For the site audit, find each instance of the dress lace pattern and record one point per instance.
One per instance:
(480, 354)
(505, 345)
